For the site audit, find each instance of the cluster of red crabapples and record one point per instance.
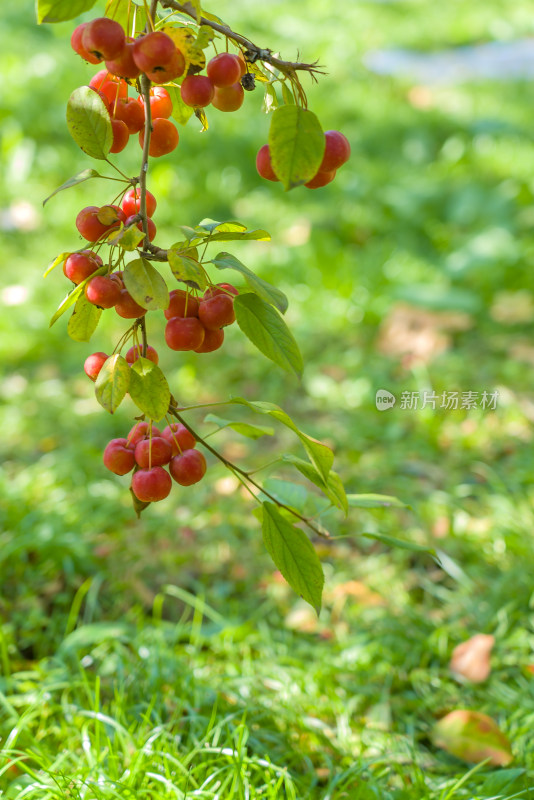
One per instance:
(149, 451)
(336, 153)
(157, 56)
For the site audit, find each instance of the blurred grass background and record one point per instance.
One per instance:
(411, 272)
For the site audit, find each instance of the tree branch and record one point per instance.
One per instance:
(246, 475)
(252, 51)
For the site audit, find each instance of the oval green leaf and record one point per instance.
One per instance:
(82, 176)
(60, 259)
(257, 285)
(61, 10)
(473, 737)
(73, 296)
(84, 320)
(266, 329)
(89, 122)
(149, 388)
(185, 268)
(296, 143)
(244, 428)
(294, 555)
(146, 285)
(127, 238)
(113, 382)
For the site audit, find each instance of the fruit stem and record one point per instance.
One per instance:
(142, 324)
(246, 475)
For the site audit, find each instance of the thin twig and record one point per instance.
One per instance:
(246, 475)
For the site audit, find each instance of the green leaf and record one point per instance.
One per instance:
(89, 122)
(374, 501)
(296, 144)
(200, 114)
(293, 495)
(473, 737)
(146, 285)
(82, 176)
(402, 544)
(211, 225)
(205, 35)
(113, 382)
(333, 488)
(124, 12)
(294, 555)
(60, 259)
(73, 296)
(185, 268)
(61, 10)
(244, 428)
(181, 112)
(319, 454)
(149, 388)
(266, 329)
(287, 94)
(270, 100)
(257, 235)
(127, 238)
(257, 285)
(84, 320)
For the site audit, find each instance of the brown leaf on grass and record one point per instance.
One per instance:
(473, 737)
(418, 335)
(471, 659)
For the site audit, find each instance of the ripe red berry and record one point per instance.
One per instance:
(103, 38)
(77, 46)
(102, 291)
(78, 266)
(224, 69)
(321, 179)
(119, 457)
(184, 334)
(124, 65)
(103, 77)
(212, 341)
(127, 308)
(155, 452)
(136, 352)
(263, 164)
(220, 288)
(179, 437)
(169, 71)
(89, 225)
(163, 140)
(337, 151)
(93, 364)
(153, 50)
(228, 98)
(131, 202)
(121, 134)
(129, 112)
(181, 304)
(140, 431)
(152, 230)
(197, 91)
(160, 102)
(151, 485)
(188, 467)
(216, 312)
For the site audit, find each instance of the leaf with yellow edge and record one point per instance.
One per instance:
(186, 41)
(473, 737)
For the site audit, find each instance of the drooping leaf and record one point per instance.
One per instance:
(211, 225)
(266, 329)
(294, 555)
(257, 285)
(113, 382)
(244, 428)
(126, 13)
(149, 388)
(181, 112)
(60, 259)
(293, 495)
(296, 144)
(402, 544)
(319, 454)
(185, 268)
(73, 296)
(89, 122)
(146, 285)
(200, 114)
(374, 501)
(287, 94)
(473, 737)
(270, 101)
(257, 235)
(186, 41)
(61, 10)
(205, 35)
(82, 176)
(332, 488)
(84, 320)
(127, 238)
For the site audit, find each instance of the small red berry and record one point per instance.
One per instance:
(127, 308)
(224, 69)
(184, 334)
(136, 352)
(212, 341)
(164, 138)
(181, 304)
(93, 364)
(131, 202)
(216, 312)
(337, 151)
(197, 91)
(188, 467)
(119, 457)
(179, 437)
(321, 179)
(103, 38)
(102, 291)
(263, 164)
(151, 485)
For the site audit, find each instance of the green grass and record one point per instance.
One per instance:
(164, 658)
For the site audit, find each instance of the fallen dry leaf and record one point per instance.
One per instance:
(471, 659)
(473, 737)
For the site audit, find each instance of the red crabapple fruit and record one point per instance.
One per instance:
(179, 437)
(141, 430)
(321, 179)
(131, 202)
(151, 485)
(197, 91)
(127, 308)
(228, 98)
(212, 341)
(121, 134)
(93, 364)
(102, 291)
(181, 304)
(263, 164)
(184, 334)
(119, 457)
(163, 140)
(160, 102)
(216, 312)
(224, 69)
(154, 452)
(188, 467)
(78, 266)
(131, 113)
(103, 38)
(337, 151)
(136, 352)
